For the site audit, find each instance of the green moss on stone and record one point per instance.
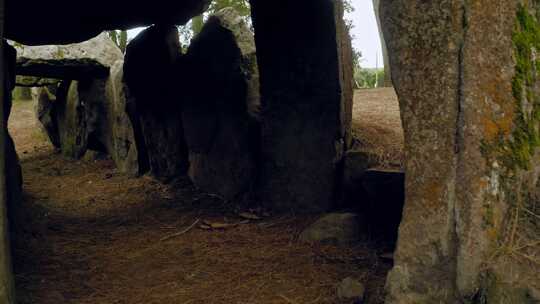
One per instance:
(526, 136)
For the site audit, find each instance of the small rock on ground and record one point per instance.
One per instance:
(351, 289)
(334, 228)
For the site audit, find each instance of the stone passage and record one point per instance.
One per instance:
(81, 101)
(221, 114)
(306, 103)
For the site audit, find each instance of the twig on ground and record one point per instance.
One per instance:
(287, 299)
(181, 232)
(531, 213)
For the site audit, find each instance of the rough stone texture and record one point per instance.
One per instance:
(335, 228)
(74, 61)
(71, 120)
(220, 117)
(453, 68)
(92, 114)
(13, 168)
(7, 78)
(305, 113)
(61, 68)
(45, 107)
(151, 74)
(129, 156)
(33, 82)
(61, 21)
(100, 49)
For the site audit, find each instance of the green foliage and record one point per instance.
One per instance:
(369, 78)
(123, 41)
(241, 6)
(114, 36)
(188, 31)
(526, 137)
(120, 38)
(518, 152)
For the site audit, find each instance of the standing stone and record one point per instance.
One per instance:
(305, 104)
(150, 73)
(465, 75)
(13, 169)
(220, 117)
(7, 78)
(45, 107)
(123, 143)
(93, 100)
(71, 119)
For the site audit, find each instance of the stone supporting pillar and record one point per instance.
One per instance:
(466, 76)
(150, 73)
(305, 103)
(7, 288)
(221, 114)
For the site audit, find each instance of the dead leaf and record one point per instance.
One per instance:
(205, 227)
(249, 216)
(216, 225)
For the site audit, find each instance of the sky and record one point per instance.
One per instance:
(365, 33)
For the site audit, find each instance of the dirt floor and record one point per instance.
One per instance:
(377, 128)
(94, 235)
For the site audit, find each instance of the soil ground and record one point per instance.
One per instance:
(377, 128)
(94, 235)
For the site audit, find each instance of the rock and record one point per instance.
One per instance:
(71, 119)
(34, 82)
(45, 108)
(465, 76)
(335, 228)
(351, 289)
(61, 69)
(100, 49)
(90, 59)
(151, 73)
(56, 23)
(125, 143)
(306, 101)
(220, 124)
(12, 167)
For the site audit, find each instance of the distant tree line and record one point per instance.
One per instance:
(369, 78)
